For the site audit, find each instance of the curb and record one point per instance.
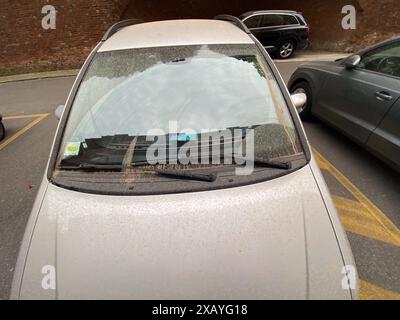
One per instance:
(314, 57)
(39, 75)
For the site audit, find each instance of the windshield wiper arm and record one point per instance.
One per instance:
(186, 174)
(93, 167)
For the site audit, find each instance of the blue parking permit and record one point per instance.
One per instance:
(182, 137)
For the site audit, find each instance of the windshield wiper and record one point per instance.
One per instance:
(186, 174)
(271, 163)
(93, 167)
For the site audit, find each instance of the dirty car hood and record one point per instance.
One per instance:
(241, 243)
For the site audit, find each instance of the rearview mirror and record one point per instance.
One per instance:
(59, 111)
(299, 100)
(352, 62)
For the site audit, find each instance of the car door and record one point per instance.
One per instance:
(356, 100)
(267, 28)
(271, 30)
(385, 140)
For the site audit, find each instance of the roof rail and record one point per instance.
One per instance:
(119, 25)
(235, 20)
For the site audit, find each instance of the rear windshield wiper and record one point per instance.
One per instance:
(92, 167)
(186, 174)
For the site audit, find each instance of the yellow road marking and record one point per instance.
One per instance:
(378, 223)
(363, 218)
(40, 117)
(357, 219)
(24, 116)
(369, 291)
(322, 165)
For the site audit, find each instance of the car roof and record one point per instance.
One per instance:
(250, 13)
(176, 33)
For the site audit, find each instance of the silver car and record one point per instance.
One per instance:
(110, 222)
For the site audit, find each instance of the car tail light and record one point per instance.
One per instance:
(308, 29)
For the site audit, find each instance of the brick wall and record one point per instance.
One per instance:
(26, 47)
(379, 20)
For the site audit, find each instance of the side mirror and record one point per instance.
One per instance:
(59, 111)
(352, 61)
(299, 101)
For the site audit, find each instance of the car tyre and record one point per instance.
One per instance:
(303, 87)
(2, 131)
(286, 49)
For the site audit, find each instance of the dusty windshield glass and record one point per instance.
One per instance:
(131, 100)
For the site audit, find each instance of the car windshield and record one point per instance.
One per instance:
(129, 97)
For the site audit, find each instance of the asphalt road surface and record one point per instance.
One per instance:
(365, 191)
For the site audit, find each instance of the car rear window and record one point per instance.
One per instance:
(288, 20)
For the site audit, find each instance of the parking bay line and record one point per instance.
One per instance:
(361, 217)
(357, 219)
(24, 116)
(39, 116)
(369, 291)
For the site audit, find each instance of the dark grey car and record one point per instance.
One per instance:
(359, 96)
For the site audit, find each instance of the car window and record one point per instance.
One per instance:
(253, 22)
(385, 60)
(272, 20)
(130, 96)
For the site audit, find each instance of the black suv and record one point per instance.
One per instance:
(281, 32)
